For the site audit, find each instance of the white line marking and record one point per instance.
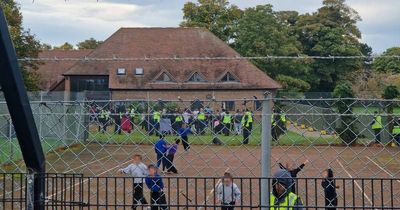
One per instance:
(113, 168)
(212, 191)
(356, 183)
(382, 168)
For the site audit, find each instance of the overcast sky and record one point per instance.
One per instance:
(58, 21)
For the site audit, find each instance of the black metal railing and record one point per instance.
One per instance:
(75, 191)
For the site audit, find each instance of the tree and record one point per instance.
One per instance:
(391, 92)
(218, 16)
(89, 44)
(65, 46)
(388, 65)
(25, 44)
(263, 32)
(347, 129)
(45, 46)
(330, 31)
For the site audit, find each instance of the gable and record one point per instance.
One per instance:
(196, 77)
(229, 77)
(164, 77)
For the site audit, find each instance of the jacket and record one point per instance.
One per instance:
(283, 177)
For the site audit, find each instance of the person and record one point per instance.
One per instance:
(376, 126)
(184, 132)
(117, 115)
(156, 122)
(226, 121)
(329, 186)
(396, 132)
(281, 197)
(228, 193)
(171, 151)
(237, 122)
(103, 120)
(201, 120)
(138, 170)
(293, 171)
(186, 116)
(160, 147)
(247, 124)
(177, 122)
(156, 186)
(126, 124)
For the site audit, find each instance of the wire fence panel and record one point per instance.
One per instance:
(356, 138)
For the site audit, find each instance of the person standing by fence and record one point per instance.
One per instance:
(329, 186)
(376, 126)
(281, 196)
(293, 171)
(237, 122)
(226, 121)
(184, 132)
(160, 147)
(156, 186)
(201, 120)
(228, 193)
(138, 170)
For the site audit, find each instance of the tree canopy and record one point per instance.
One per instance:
(25, 43)
(89, 44)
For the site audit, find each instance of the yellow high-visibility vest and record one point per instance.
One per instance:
(227, 119)
(287, 204)
(178, 118)
(201, 116)
(249, 119)
(283, 118)
(396, 130)
(378, 122)
(156, 116)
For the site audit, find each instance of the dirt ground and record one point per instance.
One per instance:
(208, 163)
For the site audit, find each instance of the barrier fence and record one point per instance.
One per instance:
(311, 135)
(76, 191)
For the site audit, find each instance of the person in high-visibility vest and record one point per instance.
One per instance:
(102, 120)
(201, 119)
(226, 121)
(396, 132)
(156, 122)
(376, 126)
(117, 116)
(177, 122)
(247, 124)
(281, 198)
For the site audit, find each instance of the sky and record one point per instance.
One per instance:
(59, 21)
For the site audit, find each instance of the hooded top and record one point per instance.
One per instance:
(329, 186)
(283, 177)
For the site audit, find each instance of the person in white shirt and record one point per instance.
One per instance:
(138, 170)
(228, 193)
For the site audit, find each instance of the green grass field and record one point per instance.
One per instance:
(371, 110)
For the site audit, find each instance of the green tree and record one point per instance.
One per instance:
(263, 32)
(25, 44)
(391, 92)
(330, 31)
(347, 129)
(45, 46)
(89, 44)
(218, 16)
(388, 65)
(65, 46)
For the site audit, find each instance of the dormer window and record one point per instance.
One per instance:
(164, 77)
(139, 71)
(229, 77)
(121, 71)
(196, 77)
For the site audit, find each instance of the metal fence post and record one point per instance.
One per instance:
(266, 149)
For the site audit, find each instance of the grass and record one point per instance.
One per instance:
(371, 110)
(289, 138)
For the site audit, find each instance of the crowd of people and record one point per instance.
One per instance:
(227, 193)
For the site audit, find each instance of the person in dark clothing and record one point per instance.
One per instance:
(183, 132)
(156, 186)
(329, 186)
(293, 171)
(281, 197)
(171, 151)
(160, 149)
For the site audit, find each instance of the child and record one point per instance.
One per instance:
(160, 148)
(138, 170)
(170, 156)
(183, 132)
(329, 186)
(155, 184)
(228, 193)
(293, 171)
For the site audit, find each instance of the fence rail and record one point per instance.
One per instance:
(77, 191)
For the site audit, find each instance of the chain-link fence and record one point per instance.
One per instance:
(356, 138)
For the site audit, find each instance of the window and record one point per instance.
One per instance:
(196, 105)
(139, 71)
(228, 105)
(121, 71)
(228, 77)
(164, 77)
(196, 77)
(94, 83)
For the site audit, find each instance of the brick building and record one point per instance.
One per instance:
(167, 79)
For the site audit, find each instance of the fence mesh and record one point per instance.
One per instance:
(356, 138)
